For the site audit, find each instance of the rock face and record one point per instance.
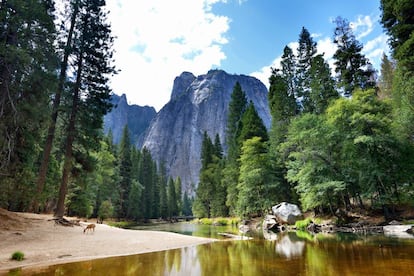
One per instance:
(197, 104)
(287, 213)
(136, 117)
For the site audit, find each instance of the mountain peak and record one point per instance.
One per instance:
(181, 84)
(198, 104)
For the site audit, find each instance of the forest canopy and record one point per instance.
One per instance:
(340, 138)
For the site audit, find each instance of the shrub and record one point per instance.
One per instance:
(303, 224)
(18, 256)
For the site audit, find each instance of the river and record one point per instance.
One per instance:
(294, 253)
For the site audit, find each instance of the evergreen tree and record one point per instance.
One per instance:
(172, 199)
(397, 19)
(211, 194)
(252, 125)
(237, 106)
(27, 73)
(306, 53)
(386, 78)
(146, 178)
(125, 173)
(282, 108)
(178, 195)
(322, 86)
(134, 197)
(288, 70)
(104, 177)
(352, 67)
(92, 56)
(162, 179)
(67, 49)
(255, 191)
(186, 210)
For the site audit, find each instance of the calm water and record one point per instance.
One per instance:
(287, 254)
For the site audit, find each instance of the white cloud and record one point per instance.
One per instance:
(362, 27)
(157, 40)
(373, 49)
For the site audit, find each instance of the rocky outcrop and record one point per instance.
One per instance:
(136, 117)
(197, 104)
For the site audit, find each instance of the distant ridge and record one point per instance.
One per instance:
(136, 117)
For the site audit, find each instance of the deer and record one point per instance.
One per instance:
(90, 227)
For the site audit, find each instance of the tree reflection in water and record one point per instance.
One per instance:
(284, 254)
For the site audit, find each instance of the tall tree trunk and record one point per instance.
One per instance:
(67, 166)
(8, 110)
(56, 103)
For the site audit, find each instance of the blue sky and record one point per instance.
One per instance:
(158, 40)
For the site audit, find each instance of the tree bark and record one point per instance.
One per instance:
(60, 208)
(55, 110)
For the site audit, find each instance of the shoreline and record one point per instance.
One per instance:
(45, 243)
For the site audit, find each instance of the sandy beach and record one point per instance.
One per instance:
(45, 243)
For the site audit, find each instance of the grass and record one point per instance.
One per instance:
(303, 224)
(17, 256)
(217, 221)
(122, 224)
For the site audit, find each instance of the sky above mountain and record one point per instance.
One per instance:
(157, 40)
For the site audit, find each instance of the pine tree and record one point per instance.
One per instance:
(178, 194)
(252, 125)
(255, 191)
(64, 65)
(147, 179)
(288, 70)
(352, 67)
(186, 210)
(306, 53)
(397, 19)
(322, 86)
(90, 91)
(237, 106)
(162, 178)
(172, 198)
(27, 73)
(386, 78)
(211, 193)
(125, 173)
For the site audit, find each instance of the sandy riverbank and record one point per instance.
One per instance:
(45, 243)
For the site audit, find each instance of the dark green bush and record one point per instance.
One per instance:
(18, 256)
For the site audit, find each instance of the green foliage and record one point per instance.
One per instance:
(397, 19)
(17, 256)
(303, 224)
(256, 190)
(211, 193)
(385, 83)
(125, 171)
(223, 221)
(306, 54)
(106, 210)
(172, 198)
(312, 161)
(352, 67)
(237, 106)
(134, 200)
(27, 72)
(252, 125)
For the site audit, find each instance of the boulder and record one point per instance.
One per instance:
(287, 213)
(269, 222)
